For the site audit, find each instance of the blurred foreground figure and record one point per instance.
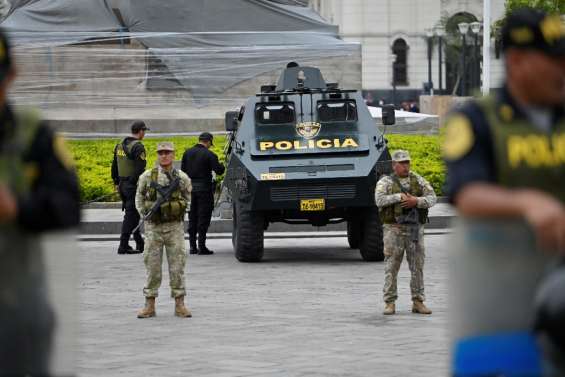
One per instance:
(505, 156)
(38, 192)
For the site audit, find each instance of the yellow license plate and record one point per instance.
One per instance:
(273, 176)
(312, 205)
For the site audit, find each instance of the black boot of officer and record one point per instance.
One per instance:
(192, 241)
(198, 222)
(131, 219)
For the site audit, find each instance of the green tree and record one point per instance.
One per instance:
(549, 6)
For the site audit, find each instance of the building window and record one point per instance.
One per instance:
(400, 65)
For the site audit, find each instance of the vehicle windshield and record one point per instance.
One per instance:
(275, 113)
(337, 111)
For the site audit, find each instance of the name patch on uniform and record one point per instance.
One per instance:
(536, 150)
(297, 145)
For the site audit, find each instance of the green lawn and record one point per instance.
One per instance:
(94, 159)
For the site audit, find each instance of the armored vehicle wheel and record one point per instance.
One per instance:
(353, 233)
(234, 221)
(247, 235)
(371, 241)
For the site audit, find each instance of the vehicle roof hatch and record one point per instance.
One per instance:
(301, 77)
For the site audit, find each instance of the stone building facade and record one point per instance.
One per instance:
(395, 44)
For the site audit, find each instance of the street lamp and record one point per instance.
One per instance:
(440, 32)
(476, 29)
(393, 62)
(463, 29)
(430, 35)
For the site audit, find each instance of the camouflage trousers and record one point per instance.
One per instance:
(397, 242)
(168, 236)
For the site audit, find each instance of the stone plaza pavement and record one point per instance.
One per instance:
(311, 308)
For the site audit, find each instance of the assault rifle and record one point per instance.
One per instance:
(410, 218)
(165, 194)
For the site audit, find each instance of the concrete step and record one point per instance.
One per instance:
(100, 221)
(268, 235)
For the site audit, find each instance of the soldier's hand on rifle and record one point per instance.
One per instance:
(408, 201)
(8, 205)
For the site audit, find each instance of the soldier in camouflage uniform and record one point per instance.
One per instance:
(403, 199)
(164, 229)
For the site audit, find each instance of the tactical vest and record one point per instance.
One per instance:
(171, 210)
(126, 164)
(391, 214)
(525, 155)
(14, 172)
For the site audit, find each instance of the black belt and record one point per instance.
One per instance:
(201, 186)
(128, 179)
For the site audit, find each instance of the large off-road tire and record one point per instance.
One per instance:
(248, 235)
(353, 233)
(371, 241)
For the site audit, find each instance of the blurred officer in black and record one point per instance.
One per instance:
(38, 192)
(198, 163)
(128, 164)
(505, 157)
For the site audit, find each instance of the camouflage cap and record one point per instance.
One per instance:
(400, 155)
(165, 146)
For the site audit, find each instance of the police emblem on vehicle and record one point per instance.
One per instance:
(308, 130)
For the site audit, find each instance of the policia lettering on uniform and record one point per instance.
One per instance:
(536, 151)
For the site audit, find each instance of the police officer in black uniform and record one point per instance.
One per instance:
(198, 163)
(128, 164)
(38, 192)
(505, 157)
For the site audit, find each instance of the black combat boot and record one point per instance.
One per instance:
(139, 242)
(125, 248)
(202, 249)
(193, 249)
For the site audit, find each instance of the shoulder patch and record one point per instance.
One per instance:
(62, 152)
(459, 137)
(143, 156)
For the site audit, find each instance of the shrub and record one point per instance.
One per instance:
(426, 157)
(94, 160)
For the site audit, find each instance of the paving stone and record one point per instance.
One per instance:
(311, 308)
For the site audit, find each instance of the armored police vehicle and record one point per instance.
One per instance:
(305, 152)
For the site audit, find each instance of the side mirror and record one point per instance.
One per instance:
(388, 115)
(231, 121)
